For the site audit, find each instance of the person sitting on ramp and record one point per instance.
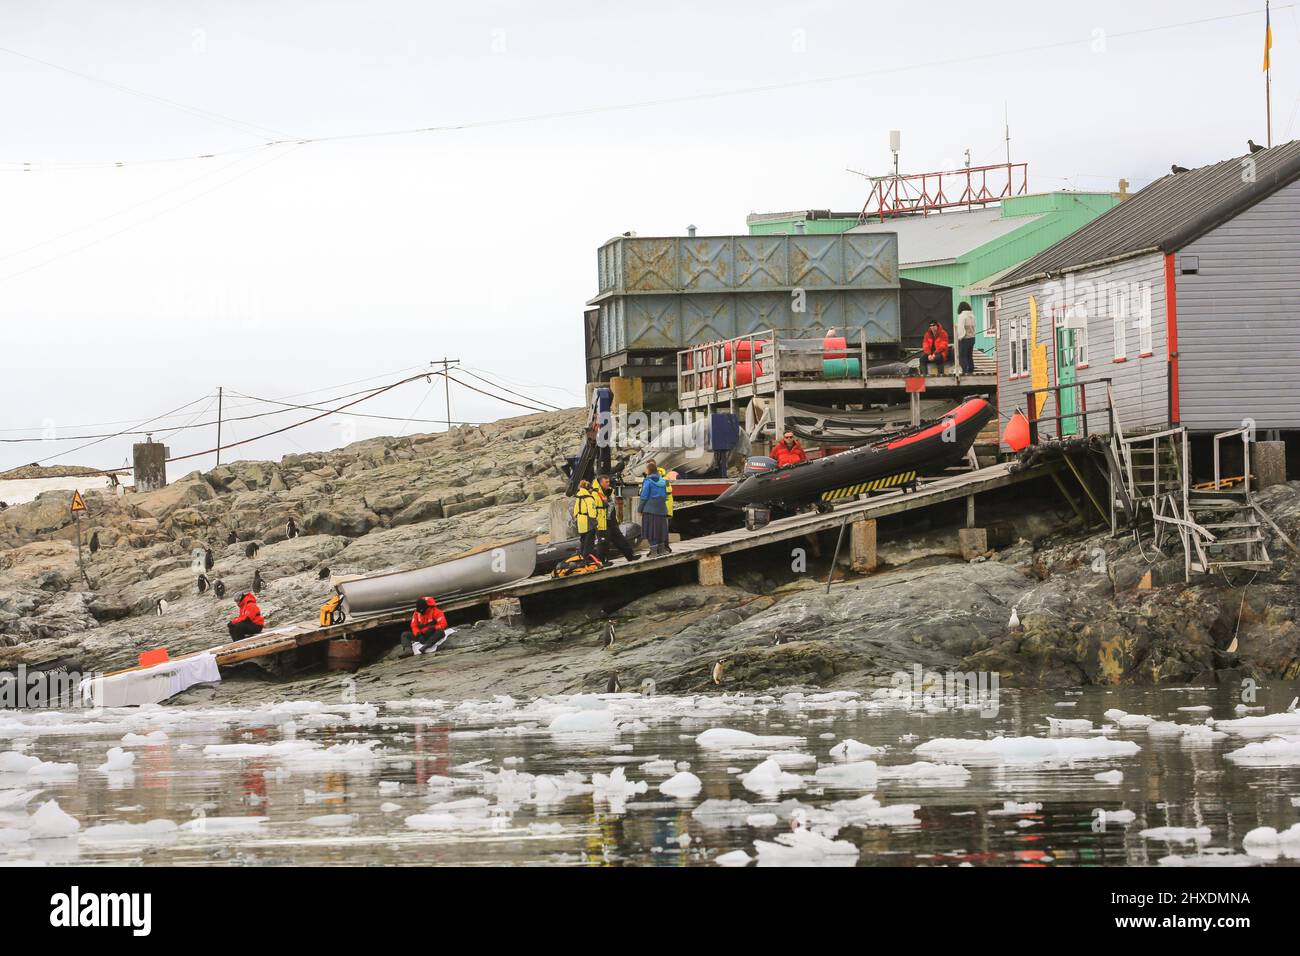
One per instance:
(249, 621)
(428, 628)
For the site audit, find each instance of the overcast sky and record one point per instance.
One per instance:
(127, 291)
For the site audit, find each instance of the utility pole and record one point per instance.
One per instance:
(220, 396)
(447, 363)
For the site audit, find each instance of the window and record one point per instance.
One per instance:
(1144, 321)
(1013, 343)
(1081, 345)
(1118, 318)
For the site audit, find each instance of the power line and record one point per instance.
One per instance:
(531, 408)
(219, 118)
(508, 391)
(662, 101)
(116, 434)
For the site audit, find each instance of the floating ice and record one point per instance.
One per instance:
(50, 822)
(761, 820)
(389, 807)
(853, 750)
(117, 760)
(1109, 776)
(658, 768)
(140, 740)
(219, 825)
(151, 832)
(1197, 709)
(1261, 725)
(1071, 725)
(1278, 752)
(1177, 834)
(583, 722)
(723, 738)
(769, 778)
(734, 858)
(16, 799)
(1268, 836)
(923, 771)
(804, 846)
(790, 760)
(1010, 808)
(1025, 749)
(682, 786)
(1122, 817)
(332, 820)
(859, 775)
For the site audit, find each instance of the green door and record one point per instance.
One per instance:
(1065, 377)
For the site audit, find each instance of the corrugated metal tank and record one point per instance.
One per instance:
(671, 292)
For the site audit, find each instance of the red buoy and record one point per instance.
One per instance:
(1016, 434)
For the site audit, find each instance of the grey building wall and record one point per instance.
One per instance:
(1239, 355)
(1139, 384)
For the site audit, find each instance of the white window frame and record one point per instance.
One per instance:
(1013, 347)
(1118, 323)
(1144, 322)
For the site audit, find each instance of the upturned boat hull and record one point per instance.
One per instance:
(884, 465)
(488, 567)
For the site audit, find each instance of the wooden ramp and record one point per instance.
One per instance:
(938, 491)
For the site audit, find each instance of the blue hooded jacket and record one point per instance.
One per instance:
(654, 495)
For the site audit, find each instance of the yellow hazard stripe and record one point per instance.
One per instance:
(849, 491)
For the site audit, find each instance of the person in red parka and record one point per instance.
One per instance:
(788, 451)
(249, 620)
(428, 628)
(934, 348)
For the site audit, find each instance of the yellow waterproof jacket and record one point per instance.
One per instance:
(663, 474)
(602, 509)
(585, 510)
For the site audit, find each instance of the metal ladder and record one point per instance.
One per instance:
(1231, 512)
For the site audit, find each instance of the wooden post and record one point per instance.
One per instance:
(862, 546)
(709, 569)
(970, 511)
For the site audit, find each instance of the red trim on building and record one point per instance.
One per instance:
(1171, 337)
(1116, 361)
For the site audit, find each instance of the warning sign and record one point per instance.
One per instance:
(78, 503)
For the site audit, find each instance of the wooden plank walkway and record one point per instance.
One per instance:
(949, 488)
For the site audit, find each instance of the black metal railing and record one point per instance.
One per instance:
(1081, 412)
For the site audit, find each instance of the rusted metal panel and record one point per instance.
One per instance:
(870, 260)
(762, 311)
(705, 263)
(706, 318)
(651, 322)
(762, 262)
(816, 261)
(650, 264)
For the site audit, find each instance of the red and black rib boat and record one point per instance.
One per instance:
(888, 464)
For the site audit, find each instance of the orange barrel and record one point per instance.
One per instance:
(745, 349)
(746, 372)
(834, 346)
(1016, 434)
(343, 654)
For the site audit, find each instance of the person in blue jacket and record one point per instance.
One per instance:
(654, 510)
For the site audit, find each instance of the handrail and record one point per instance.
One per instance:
(1244, 432)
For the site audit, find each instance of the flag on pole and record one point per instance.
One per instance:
(1268, 37)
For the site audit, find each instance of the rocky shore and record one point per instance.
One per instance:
(1091, 609)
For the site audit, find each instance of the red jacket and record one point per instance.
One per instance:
(249, 611)
(431, 620)
(791, 455)
(935, 344)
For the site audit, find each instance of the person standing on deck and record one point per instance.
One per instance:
(587, 514)
(934, 348)
(966, 339)
(428, 628)
(654, 509)
(611, 535)
(249, 621)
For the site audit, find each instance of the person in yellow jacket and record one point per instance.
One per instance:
(664, 475)
(589, 516)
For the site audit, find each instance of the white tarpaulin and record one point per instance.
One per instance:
(150, 685)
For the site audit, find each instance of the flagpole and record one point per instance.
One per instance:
(1268, 72)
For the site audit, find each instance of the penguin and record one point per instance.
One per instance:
(607, 639)
(208, 559)
(612, 685)
(1014, 623)
(1292, 706)
(717, 671)
(1175, 168)
(291, 528)
(324, 574)
(202, 583)
(219, 588)
(648, 687)
(258, 583)
(160, 607)
(1254, 147)
(232, 538)
(251, 550)
(94, 542)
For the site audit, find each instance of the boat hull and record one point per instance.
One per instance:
(884, 465)
(481, 570)
(550, 556)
